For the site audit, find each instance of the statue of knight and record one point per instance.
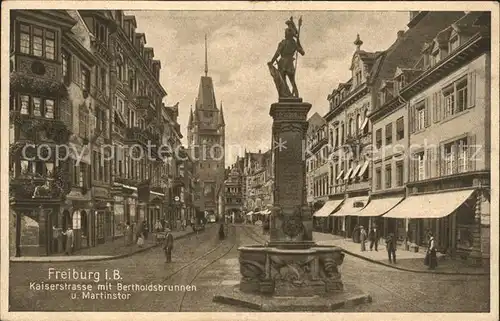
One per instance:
(287, 48)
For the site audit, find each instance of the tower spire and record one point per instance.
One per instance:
(206, 57)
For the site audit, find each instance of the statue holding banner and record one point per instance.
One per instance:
(287, 49)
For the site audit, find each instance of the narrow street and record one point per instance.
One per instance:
(206, 263)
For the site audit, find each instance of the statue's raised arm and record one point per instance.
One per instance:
(287, 49)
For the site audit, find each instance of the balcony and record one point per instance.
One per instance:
(30, 186)
(317, 144)
(141, 136)
(100, 95)
(144, 103)
(121, 179)
(101, 49)
(39, 129)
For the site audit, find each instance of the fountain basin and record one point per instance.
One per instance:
(290, 271)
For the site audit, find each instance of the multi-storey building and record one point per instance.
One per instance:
(430, 113)
(83, 79)
(138, 191)
(206, 142)
(44, 104)
(449, 113)
(349, 137)
(317, 168)
(233, 197)
(258, 181)
(186, 187)
(316, 140)
(390, 120)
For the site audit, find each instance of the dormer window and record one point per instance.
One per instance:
(101, 33)
(454, 43)
(358, 78)
(381, 97)
(434, 57)
(402, 81)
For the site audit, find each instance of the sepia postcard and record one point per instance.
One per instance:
(249, 160)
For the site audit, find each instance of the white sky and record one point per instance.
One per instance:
(240, 43)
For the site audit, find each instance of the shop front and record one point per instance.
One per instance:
(454, 218)
(103, 221)
(321, 216)
(371, 215)
(34, 222)
(347, 215)
(119, 216)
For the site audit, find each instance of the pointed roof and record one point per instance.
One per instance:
(190, 121)
(206, 94)
(221, 116)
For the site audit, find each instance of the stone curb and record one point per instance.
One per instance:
(411, 270)
(236, 302)
(327, 307)
(120, 256)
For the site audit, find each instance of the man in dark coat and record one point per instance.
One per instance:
(374, 236)
(168, 245)
(390, 244)
(222, 234)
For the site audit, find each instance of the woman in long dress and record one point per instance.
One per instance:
(431, 252)
(70, 240)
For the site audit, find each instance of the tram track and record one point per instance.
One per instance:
(195, 263)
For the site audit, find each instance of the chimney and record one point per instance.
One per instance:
(401, 34)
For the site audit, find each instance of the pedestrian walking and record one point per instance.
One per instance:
(390, 244)
(221, 232)
(70, 240)
(374, 236)
(363, 236)
(430, 256)
(168, 245)
(145, 229)
(128, 234)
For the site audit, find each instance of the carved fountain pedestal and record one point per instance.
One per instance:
(291, 272)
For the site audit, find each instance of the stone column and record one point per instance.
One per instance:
(292, 224)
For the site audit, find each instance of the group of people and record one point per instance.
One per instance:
(374, 235)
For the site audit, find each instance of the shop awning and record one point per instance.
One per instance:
(327, 209)
(352, 206)
(363, 169)
(340, 174)
(348, 173)
(249, 213)
(355, 171)
(380, 206)
(434, 205)
(265, 212)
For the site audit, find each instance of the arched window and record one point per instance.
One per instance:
(77, 220)
(358, 121)
(351, 128)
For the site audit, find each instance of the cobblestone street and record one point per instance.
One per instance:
(391, 290)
